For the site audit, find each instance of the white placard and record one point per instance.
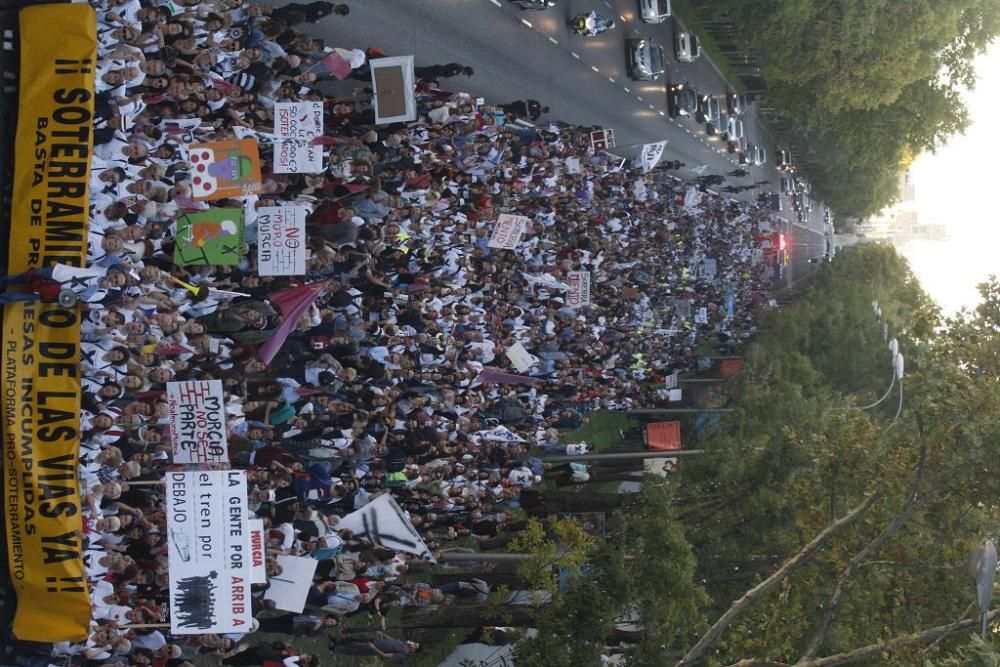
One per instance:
(675, 395)
(281, 240)
(258, 552)
(394, 89)
(651, 154)
(520, 357)
(579, 289)
(298, 120)
(701, 317)
(508, 231)
(290, 588)
(383, 522)
(671, 380)
(197, 413)
(292, 156)
(209, 551)
(660, 467)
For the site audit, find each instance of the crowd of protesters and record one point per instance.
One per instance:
(396, 380)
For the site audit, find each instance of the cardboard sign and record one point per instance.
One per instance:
(670, 381)
(290, 589)
(659, 467)
(213, 236)
(209, 551)
(298, 120)
(579, 289)
(224, 169)
(394, 87)
(258, 553)
(197, 413)
(520, 357)
(281, 240)
(383, 522)
(508, 231)
(292, 156)
(675, 395)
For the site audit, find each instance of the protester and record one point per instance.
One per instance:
(427, 363)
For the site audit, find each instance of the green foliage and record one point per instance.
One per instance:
(862, 86)
(559, 544)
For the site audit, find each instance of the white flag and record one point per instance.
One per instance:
(651, 154)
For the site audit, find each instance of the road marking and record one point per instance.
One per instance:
(622, 17)
(595, 69)
(611, 80)
(496, 2)
(652, 107)
(607, 3)
(527, 23)
(638, 98)
(627, 90)
(662, 113)
(575, 54)
(554, 40)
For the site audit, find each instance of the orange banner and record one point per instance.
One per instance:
(41, 342)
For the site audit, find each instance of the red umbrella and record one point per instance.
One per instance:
(293, 304)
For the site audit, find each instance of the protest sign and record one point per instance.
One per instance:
(508, 231)
(659, 467)
(671, 381)
(290, 589)
(213, 236)
(520, 357)
(281, 240)
(579, 289)
(675, 395)
(258, 553)
(295, 156)
(393, 88)
(383, 522)
(197, 413)
(701, 317)
(298, 120)
(48, 221)
(707, 269)
(223, 169)
(209, 548)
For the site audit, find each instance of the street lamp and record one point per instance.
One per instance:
(983, 567)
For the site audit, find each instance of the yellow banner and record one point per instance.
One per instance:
(42, 341)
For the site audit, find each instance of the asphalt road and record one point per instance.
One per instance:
(527, 54)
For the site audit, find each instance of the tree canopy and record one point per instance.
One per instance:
(862, 86)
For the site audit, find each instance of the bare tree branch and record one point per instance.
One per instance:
(865, 652)
(806, 554)
(833, 606)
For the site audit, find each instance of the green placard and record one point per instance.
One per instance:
(214, 236)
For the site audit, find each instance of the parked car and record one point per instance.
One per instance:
(687, 47)
(709, 112)
(682, 100)
(787, 185)
(774, 202)
(736, 104)
(747, 152)
(760, 157)
(644, 59)
(534, 5)
(654, 11)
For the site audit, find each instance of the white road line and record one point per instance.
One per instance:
(652, 107)
(611, 80)
(595, 69)
(554, 40)
(638, 98)
(496, 2)
(607, 3)
(575, 54)
(527, 23)
(627, 90)
(662, 113)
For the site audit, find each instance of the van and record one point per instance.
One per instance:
(654, 11)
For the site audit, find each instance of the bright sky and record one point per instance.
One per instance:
(959, 187)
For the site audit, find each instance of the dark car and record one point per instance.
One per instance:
(709, 112)
(747, 152)
(784, 161)
(682, 100)
(736, 104)
(644, 59)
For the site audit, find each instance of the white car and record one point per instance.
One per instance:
(654, 11)
(760, 159)
(687, 47)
